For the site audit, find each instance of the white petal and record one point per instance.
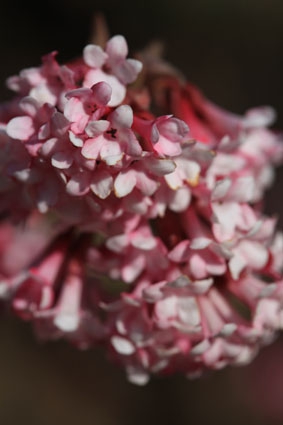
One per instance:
(43, 94)
(122, 345)
(221, 189)
(236, 265)
(76, 141)
(188, 311)
(160, 167)
(145, 243)
(138, 377)
(66, 322)
(200, 348)
(117, 243)
(180, 200)
(259, 117)
(200, 243)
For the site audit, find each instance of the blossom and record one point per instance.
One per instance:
(111, 66)
(143, 233)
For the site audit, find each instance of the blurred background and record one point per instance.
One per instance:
(233, 51)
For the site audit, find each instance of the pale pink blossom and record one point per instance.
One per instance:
(111, 66)
(139, 232)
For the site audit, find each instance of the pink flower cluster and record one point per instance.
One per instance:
(140, 232)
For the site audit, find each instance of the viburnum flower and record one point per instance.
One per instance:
(131, 214)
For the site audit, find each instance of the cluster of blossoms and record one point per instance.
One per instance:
(131, 215)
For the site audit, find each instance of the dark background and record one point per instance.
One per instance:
(233, 50)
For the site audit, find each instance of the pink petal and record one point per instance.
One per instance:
(117, 49)
(198, 266)
(133, 268)
(215, 265)
(21, 128)
(160, 167)
(101, 93)
(59, 124)
(94, 56)
(180, 253)
(49, 147)
(74, 111)
(172, 128)
(102, 184)
(62, 160)
(43, 94)
(91, 148)
(95, 128)
(68, 316)
(124, 183)
(165, 310)
(81, 93)
(129, 142)
(167, 147)
(44, 131)
(128, 70)
(145, 184)
(122, 117)
(227, 215)
(118, 89)
(78, 185)
(111, 152)
(29, 105)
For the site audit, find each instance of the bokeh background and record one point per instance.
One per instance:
(233, 50)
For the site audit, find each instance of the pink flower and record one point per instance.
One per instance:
(165, 134)
(111, 66)
(139, 232)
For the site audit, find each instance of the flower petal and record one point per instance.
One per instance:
(94, 56)
(21, 128)
(124, 183)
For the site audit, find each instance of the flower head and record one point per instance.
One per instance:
(140, 232)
